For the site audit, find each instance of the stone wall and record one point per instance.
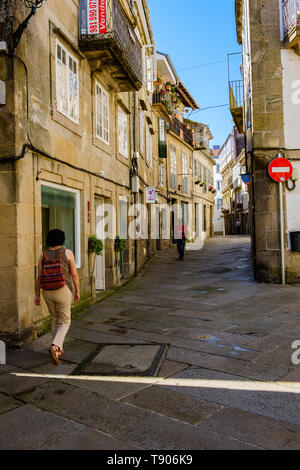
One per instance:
(268, 132)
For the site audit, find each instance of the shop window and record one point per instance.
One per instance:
(60, 209)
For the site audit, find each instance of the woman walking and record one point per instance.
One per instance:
(56, 269)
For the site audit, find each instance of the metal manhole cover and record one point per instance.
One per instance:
(124, 359)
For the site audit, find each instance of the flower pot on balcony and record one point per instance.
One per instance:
(179, 187)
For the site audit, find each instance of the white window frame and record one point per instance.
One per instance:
(77, 253)
(150, 66)
(122, 132)
(100, 114)
(173, 167)
(142, 131)
(150, 148)
(185, 166)
(69, 56)
(160, 174)
(148, 145)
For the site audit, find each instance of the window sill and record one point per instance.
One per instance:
(100, 144)
(123, 159)
(66, 122)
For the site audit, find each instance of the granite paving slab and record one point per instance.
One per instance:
(126, 422)
(8, 403)
(29, 428)
(259, 430)
(26, 359)
(124, 359)
(280, 356)
(19, 380)
(263, 398)
(173, 404)
(270, 342)
(42, 343)
(291, 379)
(4, 368)
(170, 368)
(102, 336)
(65, 368)
(114, 390)
(76, 351)
(238, 367)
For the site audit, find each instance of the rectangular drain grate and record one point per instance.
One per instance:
(124, 360)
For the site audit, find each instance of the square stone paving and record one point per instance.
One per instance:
(124, 359)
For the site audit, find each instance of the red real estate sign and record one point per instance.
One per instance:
(280, 169)
(96, 16)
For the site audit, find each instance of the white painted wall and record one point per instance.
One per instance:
(227, 152)
(218, 220)
(293, 204)
(291, 98)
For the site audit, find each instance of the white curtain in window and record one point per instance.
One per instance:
(67, 83)
(142, 134)
(123, 132)
(102, 114)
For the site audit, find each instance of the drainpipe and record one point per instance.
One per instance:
(135, 173)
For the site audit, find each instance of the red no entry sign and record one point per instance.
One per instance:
(280, 169)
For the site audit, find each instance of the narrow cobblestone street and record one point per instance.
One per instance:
(227, 381)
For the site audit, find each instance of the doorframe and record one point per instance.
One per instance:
(100, 201)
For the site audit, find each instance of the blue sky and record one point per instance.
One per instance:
(197, 32)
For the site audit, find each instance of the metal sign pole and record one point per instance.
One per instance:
(281, 216)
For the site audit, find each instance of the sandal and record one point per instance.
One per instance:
(55, 353)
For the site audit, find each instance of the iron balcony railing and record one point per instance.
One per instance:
(164, 98)
(236, 94)
(178, 128)
(236, 103)
(291, 16)
(119, 38)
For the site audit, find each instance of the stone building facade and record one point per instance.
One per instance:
(81, 141)
(269, 35)
(235, 192)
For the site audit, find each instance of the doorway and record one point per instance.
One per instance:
(100, 260)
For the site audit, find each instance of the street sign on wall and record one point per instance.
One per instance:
(280, 169)
(93, 18)
(150, 195)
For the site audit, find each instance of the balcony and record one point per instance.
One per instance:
(178, 128)
(291, 19)
(117, 48)
(163, 102)
(236, 103)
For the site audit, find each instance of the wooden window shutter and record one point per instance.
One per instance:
(162, 138)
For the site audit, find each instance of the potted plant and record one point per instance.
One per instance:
(210, 188)
(120, 244)
(158, 80)
(169, 86)
(96, 246)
